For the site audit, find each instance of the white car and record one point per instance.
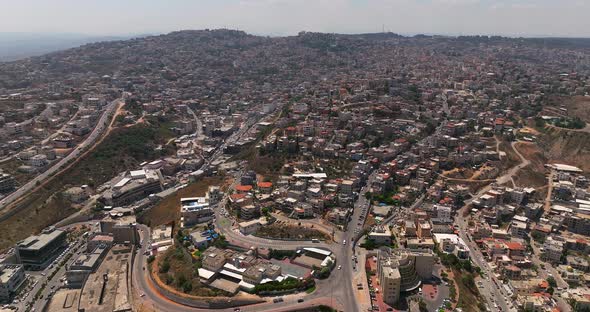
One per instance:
(339, 267)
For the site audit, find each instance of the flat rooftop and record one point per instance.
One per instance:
(7, 271)
(37, 242)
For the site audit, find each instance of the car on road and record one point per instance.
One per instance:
(339, 267)
(300, 300)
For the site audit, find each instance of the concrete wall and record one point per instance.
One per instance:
(204, 303)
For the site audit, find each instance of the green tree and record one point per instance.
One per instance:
(164, 267)
(552, 282)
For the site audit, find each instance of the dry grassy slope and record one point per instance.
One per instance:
(533, 174)
(569, 147)
(168, 210)
(121, 150)
(578, 106)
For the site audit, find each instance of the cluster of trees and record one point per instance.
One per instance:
(289, 283)
(450, 260)
(281, 254)
(570, 123)
(183, 283)
(324, 272)
(383, 198)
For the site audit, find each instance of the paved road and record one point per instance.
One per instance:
(336, 290)
(493, 290)
(512, 171)
(52, 284)
(96, 133)
(199, 132)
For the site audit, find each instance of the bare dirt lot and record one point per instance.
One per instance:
(532, 175)
(578, 106)
(567, 147)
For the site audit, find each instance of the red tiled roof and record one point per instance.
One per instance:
(543, 284)
(243, 188)
(265, 184)
(514, 245)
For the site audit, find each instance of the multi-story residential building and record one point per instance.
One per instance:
(214, 194)
(552, 249)
(249, 212)
(403, 270)
(444, 212)
(7, 183)
(250, 227)
(213, 260)
(12, 277)
(519, 229)
(338, 216)
(381, 235)
(195, 210)
(578, 223)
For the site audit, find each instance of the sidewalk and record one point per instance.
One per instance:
(360, 277)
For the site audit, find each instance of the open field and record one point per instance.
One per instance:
(168, 210)
(578, 106)
(532, 175)
(568, 147)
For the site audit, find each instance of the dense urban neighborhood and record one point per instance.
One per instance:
(218, 170)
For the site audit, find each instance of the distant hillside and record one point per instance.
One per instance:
(14, 46)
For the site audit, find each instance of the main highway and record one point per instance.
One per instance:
(96, 133)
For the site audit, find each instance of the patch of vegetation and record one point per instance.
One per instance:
(370, 244)
(176, 267)
(323, 272)
(281, 254)
(133, 106)
(166, 211)
(464, 273)
(386, 198)
(324, 308)
(570, 123)
(290, 283)
(290, 232)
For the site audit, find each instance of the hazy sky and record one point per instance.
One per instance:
(281, 17)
